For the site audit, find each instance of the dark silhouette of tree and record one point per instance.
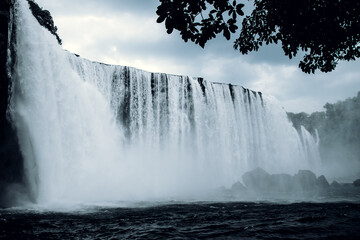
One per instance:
(44, 18)
(326, 31)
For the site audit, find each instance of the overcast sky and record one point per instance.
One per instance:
(125, 32)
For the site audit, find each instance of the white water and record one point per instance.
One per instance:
(95, 132)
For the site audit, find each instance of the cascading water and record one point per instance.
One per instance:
(95, 132)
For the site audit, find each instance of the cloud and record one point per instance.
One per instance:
(95, 30)
(126, 33)
(104, 7)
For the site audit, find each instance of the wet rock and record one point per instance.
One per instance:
(257, 180)
(305, 180)
(335, 184)
(304, 184)
(11, 162)
(322, 183)
(282, 182)
(223, 190)
(356, 183)
(238, 187)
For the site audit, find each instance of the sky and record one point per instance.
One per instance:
(125, 32)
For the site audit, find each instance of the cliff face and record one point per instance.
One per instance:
(11, 163)
(11, 160)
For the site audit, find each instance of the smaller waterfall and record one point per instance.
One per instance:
(97, 132)
(308, 143)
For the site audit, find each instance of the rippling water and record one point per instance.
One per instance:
(184, 220)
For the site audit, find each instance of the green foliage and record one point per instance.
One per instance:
(44, 18)
(327, 31)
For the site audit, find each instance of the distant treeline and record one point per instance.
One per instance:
(338, 128)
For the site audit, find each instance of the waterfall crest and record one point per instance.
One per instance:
(95, 132)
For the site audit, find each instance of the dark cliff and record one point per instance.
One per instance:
(11, 161)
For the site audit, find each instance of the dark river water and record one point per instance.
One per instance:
(200, 220)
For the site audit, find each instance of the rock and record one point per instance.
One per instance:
(322, 183)
(335, 184)
(282, 182)
(11, 161)
(257, 179)
(305, 180)
(238, 187)
(223, 191)
(356, 183)
(45, 19)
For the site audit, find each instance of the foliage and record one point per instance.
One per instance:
(44, 18)
(187, 16)
(327, 31)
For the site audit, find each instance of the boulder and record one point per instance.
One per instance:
(305, 180)
(322, 183)
(223, 192)
(257, 180)
(281, 182)
(356, 183)
(335, 184)
(238, 187)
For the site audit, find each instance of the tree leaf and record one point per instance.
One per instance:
(160, 19)
(239, 9)
(226, 34)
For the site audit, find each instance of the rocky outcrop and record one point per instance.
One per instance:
(282, 182)
(322, 183)
(257, 180)
(305, 180)
(11, 163)
(357, 183)
(44, 18)
(238, 187)
(304, 184)
(335, 184)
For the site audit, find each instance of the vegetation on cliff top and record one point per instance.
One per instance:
(44, 18)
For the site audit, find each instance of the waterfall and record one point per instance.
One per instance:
(95, 132)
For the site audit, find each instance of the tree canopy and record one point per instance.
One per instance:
(325, 31)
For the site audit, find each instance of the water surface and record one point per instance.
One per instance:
(200, 220)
